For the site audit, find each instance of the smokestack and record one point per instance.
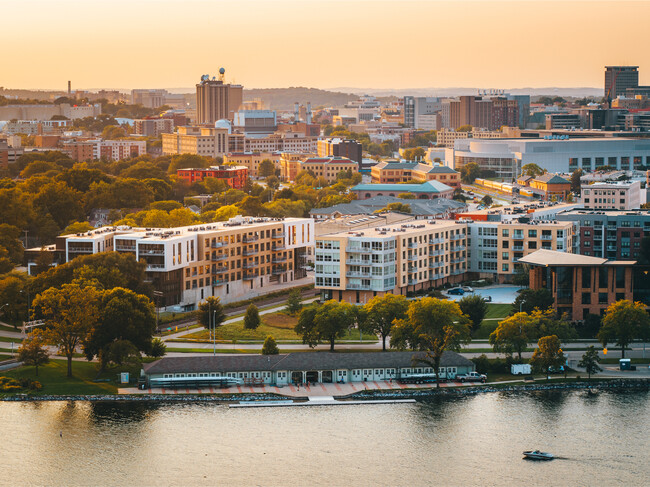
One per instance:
(296, 111)
(69, 87)
(308, 117)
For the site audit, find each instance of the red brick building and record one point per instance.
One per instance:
(234, 176)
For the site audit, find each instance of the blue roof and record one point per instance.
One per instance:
(426, 187)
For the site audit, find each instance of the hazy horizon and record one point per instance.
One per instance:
(321, 43)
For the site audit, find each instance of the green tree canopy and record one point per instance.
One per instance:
(513, 334)
(469, 172)
(252, 318)
(529, 299)
(211, 312)
(590, 361)
(294, 304)
(266, 168)
(381, 312)
(548, 354)
(474, 307)
(270, 347)
(624, 322)
(532, 170)
(325, 322)
(32, 352)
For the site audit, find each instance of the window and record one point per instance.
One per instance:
(586, 277)
(586, 298)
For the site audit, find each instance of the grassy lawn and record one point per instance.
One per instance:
(53, 378)
(279, 325)
(495, 313)
(4, 357)
(9, 340)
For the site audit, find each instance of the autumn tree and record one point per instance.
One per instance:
(381, 312)
(475, 308)
(624, 322)
(590, 361)
(33, 352)
(266, 168)
(532, 170)
(270, 347)
(513, 334)
(548, 354)
(70, 313)
(469, 172)
(325, 322)
(252, 318)
(439, 326)
(529, 299)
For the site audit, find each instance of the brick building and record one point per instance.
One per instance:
(234, 176)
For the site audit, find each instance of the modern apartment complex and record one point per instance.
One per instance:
(238, 259)
(341, 148)
(608, 234)
(203, 141)
(153, 127)
(619, 78)
(328, 167)
(356, 266)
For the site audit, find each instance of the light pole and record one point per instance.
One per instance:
(214, 333)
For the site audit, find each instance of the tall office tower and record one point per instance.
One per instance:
(619, 78)
(216, 100)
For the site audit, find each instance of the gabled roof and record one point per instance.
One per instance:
(295, 361)
(369, 206)
(550, 178)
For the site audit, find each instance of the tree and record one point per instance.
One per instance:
(487, 200)
(396, 207)
(124, 316)
(522, 275)
(624, 322)
(77, 227)
(32, 351)
(546, 322)
(513, 335)
(211, 312)
(532, 170)
(406, 196)
(270, 347)
(469, 172)
(327, 322)
(575, 180)
(548, 354)
(475, 307)
(70, 313)
(529, 299)
(439, 326)
(252, 318)
(293, 302)
(382, 312)
(464, 128)
(266, 168)
(590, 361)
(158, 348)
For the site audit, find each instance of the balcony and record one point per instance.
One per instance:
(413, 257)
(219, 282)
(436, 265)
(218, 257)
(250, 265)
(458, 248)
(357, 262)
(151, 252)
(547, 237)
(518, 236)
(361, 287)
(247, 252)
(277, 247)
(458, 237)
(278, 235)
(612, 238)
(358, 250)
(357, 274)
(125, 248)
(277, 260)
(250, 238)
(435, 241)
(155, 267)
(217, 245)
(80, 250)
(517, 247)
(412, 245)
(276, 271)
(250, 275)
(611, 248)
(219, 270)
(457, 261)
(412, 282)
(412, 270)
(437, 252)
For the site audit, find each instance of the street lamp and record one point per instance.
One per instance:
(214, 333)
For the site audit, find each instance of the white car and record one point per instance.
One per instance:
(468, 289)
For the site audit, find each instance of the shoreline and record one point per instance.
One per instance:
(611, 384)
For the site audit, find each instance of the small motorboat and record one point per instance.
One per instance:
(538, 455)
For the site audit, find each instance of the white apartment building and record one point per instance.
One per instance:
(613, 195)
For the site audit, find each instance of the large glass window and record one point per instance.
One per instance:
(620, 277)
(586, 277)
(602, 277)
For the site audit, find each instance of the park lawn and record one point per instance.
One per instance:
(54, 380)
(279, 325)
(495, 313)
(4, 357)
(498, 310)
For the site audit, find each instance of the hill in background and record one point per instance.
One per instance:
(284, 98)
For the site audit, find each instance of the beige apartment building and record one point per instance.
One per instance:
(328, 167)
(203, 141)
(355, 266)
(235, 260)
(252, 160)
(290, 164)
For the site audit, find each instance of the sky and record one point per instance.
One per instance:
(320, 43)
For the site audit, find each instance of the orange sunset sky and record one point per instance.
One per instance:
(320, 43)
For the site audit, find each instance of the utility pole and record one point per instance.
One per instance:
(156, 295)
(214, 334)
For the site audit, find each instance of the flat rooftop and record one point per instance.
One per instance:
(399, 229)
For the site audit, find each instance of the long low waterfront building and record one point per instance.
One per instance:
(301, 367)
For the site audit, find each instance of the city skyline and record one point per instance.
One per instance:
(323, 43)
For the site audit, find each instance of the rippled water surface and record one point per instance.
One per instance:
(601, 440)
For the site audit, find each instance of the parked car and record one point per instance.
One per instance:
(468, 289)
(457, 291)
(471, 377)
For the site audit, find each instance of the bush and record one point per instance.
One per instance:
(252, 318)
(158, 348)
(270, 347)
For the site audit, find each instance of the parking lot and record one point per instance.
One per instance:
(501, 293)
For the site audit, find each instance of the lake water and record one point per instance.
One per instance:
(601, 440)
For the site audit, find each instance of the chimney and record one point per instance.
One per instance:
(296, 111)
(69, 87)
(308, 117)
